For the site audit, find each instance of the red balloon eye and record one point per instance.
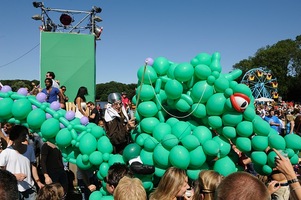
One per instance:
(240, 101)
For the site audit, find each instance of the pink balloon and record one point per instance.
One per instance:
(70, 115)
(41, 97)
(6, 88)
(23, 91)
(84, 120)
(55, 105)
(149, 61)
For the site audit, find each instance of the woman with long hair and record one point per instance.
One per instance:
(80, 102)
(206, 185)
(173, 184)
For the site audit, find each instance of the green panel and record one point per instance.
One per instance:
(72, 58)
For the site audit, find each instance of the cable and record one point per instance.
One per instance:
(20, 56)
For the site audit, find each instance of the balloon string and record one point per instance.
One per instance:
(142, 80)
(180, 117)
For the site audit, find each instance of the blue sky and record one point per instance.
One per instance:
(135, 30)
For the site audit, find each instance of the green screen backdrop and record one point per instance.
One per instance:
(72, 58)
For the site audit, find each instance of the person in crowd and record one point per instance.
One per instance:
(52, 93)
(206, 185)
(100, 111)
(130, 189)
(284, 165)
(4, 133)
(8, 186)
(274, 121)
(51, 75)
(93, 113)
(52, 165)
(52, 191)
(87, 182)
(35, 89)
(172, 185)
(19, 159)
(290, 123)
(117, 123)
(65, 98)
(125, 100)
(115, 173)
(80, 102)
(241, 186)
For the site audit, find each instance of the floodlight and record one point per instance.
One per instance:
(98, 31)
(97, 9)
(97, 19)
(66, 19)
(37, 4)
(37, 17)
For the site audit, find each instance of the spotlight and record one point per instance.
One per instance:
(66, 19)
(97, 32)
(97, 19)
(37, 4)
(37, 17)
(97, 9)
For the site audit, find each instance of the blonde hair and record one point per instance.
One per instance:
(129, 189)
(206, 184)
(170, 184)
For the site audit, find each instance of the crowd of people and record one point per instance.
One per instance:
(33, 169)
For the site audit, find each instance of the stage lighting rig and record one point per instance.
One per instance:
(66, 20)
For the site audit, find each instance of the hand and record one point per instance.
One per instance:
(92, 187)
(48, 180)
(132, 123)
(272, 188)
(284, 165)
(40, 184)
(20, 176)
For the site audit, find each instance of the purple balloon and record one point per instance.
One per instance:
(84, 120)
(149, 61)
(48, 116)
(55, 105)
(33, 107)
(62, 125)
(23, 91)
(6, 88)
(70, 115)
(41, 97)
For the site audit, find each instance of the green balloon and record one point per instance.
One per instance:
(115, 158)
(161, 130)
(63, 138)
(243, 144)
(161, 157)
(87, 144)
(293, 141)
(229, 132)
(131, 151)
(148, 124)
(202, 58)
(161, 65)
(50, 128)
(172, 121)
(197, 158)
(6, 107)
(244, 129)
(103, 169)
(147, 109)
(36, 118)
(181, 129)
(271, 159)
(202, 133)
(260, 143)
(96, 195)
(211, 148)
(232, 118)
(147, 157)
(199, 110)
(169, 141)
(224, 145)
(259, 157)
(179, 157)
(21, 108)
(173, 89)
(146, 92)
(276, 141)
(150, 144)
(215, 122)
(104, 145)
(170, 72)
(267, 169)
(183, 72)
(96, 158)
(159, 172)
(224, 166)
(242, 88)
(260, 126)
(193, 174)
(182, 105)
(294, 159)
(97, 131)
(201, 92)
(147, 74)
(249, 113)
(202, 71)
(81, 164)
(221, 84)
(190, 142)
(141, 138)
(215, 104)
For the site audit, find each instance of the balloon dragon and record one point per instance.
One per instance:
(188, 115)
